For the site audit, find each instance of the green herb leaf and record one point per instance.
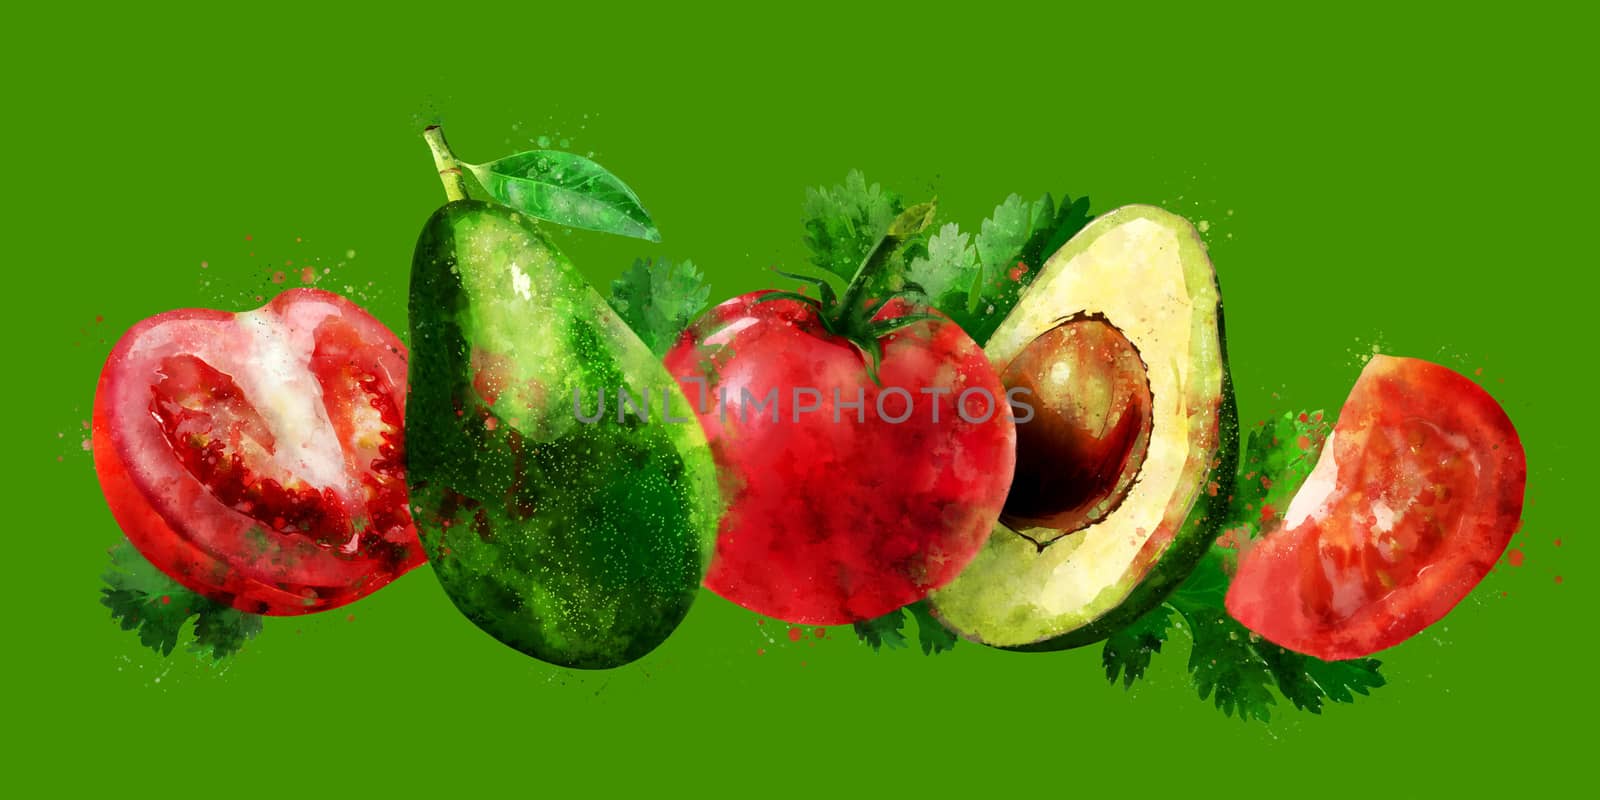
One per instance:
(1129, 650)
(931, 633)
(1207, 585)
(221, 631)
(141, 597)
(1012, 245)
(566, 189)
(888, 631)
(1227, 666)
(946, 272)
(659, 299)
(1307, 680)
(1278, 456)
(844, 223)
(977, 281)
(884, 631)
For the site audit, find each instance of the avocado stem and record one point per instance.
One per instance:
(455, 187)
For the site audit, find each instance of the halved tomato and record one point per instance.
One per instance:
(1415, 496)
(258, 458)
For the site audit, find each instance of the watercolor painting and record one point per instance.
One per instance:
(569, 435)
(1037, 488)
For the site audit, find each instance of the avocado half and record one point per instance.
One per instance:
(1144, 271)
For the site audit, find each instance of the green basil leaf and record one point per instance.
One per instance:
(566, 189)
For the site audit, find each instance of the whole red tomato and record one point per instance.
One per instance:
(258, 458)
(849, 497)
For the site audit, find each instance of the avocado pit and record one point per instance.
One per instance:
(1080, 454)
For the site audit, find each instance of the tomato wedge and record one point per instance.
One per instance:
(1414, 498)
(258, 458)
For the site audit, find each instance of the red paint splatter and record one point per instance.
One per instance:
(761, 651)
(247, 237)
(1505, 594)
(308, 275)
(166, 599)
(351, 618)
(1304, 443)
(1515, 557)
(1017, 272)
(288, 262)
(760, 621)
(1212, 488)
(277, 277)
(1266, 482)
(99, 318)
(1478, 371)
(491, 423)
(1558, 543)
(820, 633)
(1266, 512)
(1558, 579)
(795, 634)
(1303, 417)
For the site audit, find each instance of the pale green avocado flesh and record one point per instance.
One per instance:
(1145, 270)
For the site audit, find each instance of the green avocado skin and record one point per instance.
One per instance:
(582, 544)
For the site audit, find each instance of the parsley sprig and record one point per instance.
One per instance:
(1230, 665)
(143, 598)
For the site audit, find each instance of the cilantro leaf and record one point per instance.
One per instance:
(884, 631)
(1307, 680)
(658, 300)
(946, 271)
(1230, 665)
(1129, 650)
(1005, 233)
(844, 223)
(142, 597)
(1206, 586)
(1278, 457)
(978, 286)
(888, 631)
(931, 633)
(1227, 666)
(222, 631)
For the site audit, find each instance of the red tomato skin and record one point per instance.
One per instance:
(836, 522)
(1428, 492)
(179, 525)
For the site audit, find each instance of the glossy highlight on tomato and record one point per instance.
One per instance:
(1414, 498)
(841, 512)
(259, 458)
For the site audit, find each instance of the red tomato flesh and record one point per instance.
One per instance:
(258, 458)
(831, 522)
(1414, 498)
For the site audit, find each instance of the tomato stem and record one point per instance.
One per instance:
(455, 186)
(852, 312)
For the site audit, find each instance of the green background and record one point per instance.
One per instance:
(1418, 182)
